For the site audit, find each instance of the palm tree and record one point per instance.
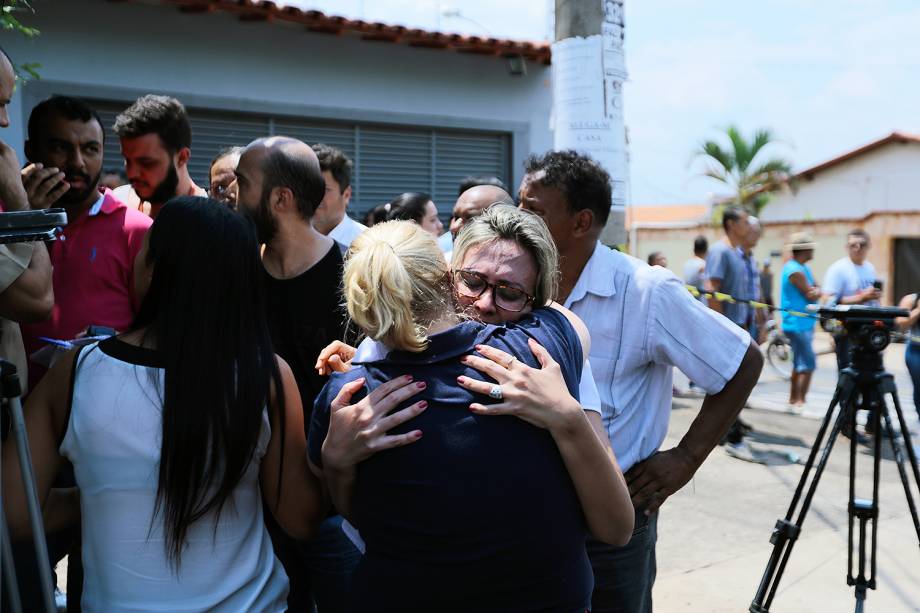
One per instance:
(744, 169)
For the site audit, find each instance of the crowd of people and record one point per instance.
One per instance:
(297, 412)
(729, 267)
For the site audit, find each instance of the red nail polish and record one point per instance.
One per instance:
(423, 404)
(408, 377)
(421, 385)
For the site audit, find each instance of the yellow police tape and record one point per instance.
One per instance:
(763, 305)
(757, 305)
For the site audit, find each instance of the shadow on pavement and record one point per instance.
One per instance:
(759, 436)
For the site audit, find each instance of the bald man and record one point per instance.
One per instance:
(280, 185)
(471, 203)
(474, 201)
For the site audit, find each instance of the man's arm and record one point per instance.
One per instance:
(800, 282)
(716, 355)
(12, 193)
(653, 480)
(714, 274)
(30, 297)
(713, 286)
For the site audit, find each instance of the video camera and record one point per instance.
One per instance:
(868, 327)
(29, 226)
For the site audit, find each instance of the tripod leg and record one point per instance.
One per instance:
(9, 567)
(786, 531)
(35, 514)
(899, 459)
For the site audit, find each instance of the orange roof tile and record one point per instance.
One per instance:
(318, 21)
(668, 213)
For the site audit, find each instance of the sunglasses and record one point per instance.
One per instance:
(858, 244)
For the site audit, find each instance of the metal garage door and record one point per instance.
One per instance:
(388, 159)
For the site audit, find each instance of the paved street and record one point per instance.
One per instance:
(714, 534)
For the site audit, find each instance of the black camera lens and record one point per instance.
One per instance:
(878, 339)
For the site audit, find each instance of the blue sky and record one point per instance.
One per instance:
(824, 75)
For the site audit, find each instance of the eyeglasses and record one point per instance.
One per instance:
(221, 192)
(858, 244)
(471, 284)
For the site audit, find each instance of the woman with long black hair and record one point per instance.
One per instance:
(177, 430)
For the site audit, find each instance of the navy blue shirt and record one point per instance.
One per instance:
(480, 514)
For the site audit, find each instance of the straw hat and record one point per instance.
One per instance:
(800, 241)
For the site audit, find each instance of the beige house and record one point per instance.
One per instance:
(875, 187)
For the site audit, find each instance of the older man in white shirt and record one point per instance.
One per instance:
(643, 322)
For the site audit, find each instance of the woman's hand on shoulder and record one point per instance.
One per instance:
(335, 357)
(538, 396)
(358, 431)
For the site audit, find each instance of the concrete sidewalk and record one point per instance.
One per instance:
(714, 534)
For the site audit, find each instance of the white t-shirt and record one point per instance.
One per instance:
(844, 278)
(693, 272)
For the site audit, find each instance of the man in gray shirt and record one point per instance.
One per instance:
(725, 268)
(725, 272)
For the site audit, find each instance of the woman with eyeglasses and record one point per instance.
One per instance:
(484, 510)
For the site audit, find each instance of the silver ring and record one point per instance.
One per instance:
(496, 392)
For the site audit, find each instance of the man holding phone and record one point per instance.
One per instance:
(93, 265)
(852, 280)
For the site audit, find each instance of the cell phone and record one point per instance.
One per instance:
(100, 331)
(877, 285)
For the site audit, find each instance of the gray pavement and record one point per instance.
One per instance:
(714, 534)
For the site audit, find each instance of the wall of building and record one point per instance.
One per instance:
(122, 50)
(830, 236)
(881, 180)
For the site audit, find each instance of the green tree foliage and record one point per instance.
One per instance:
(743, 166)
(10, 11)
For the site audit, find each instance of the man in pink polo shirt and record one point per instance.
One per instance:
(93, 264)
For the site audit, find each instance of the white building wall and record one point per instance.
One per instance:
(885, 179)
(216, 61)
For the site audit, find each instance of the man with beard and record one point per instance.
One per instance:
(280, 185)
(156, 140)
(93, 264)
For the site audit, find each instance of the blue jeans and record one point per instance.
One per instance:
(912, 357)
(624, 576)
(803, 352)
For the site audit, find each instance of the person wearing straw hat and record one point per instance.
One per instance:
(797, 291)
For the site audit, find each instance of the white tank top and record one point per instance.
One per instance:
(113, 440)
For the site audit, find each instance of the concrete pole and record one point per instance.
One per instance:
(589, 69)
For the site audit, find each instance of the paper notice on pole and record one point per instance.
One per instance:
(588, 78)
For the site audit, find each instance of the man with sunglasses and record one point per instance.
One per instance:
(851, 280)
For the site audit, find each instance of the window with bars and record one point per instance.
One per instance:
(388, 159)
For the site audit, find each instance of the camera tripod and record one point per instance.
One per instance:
(862, 386)
(24, 227)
